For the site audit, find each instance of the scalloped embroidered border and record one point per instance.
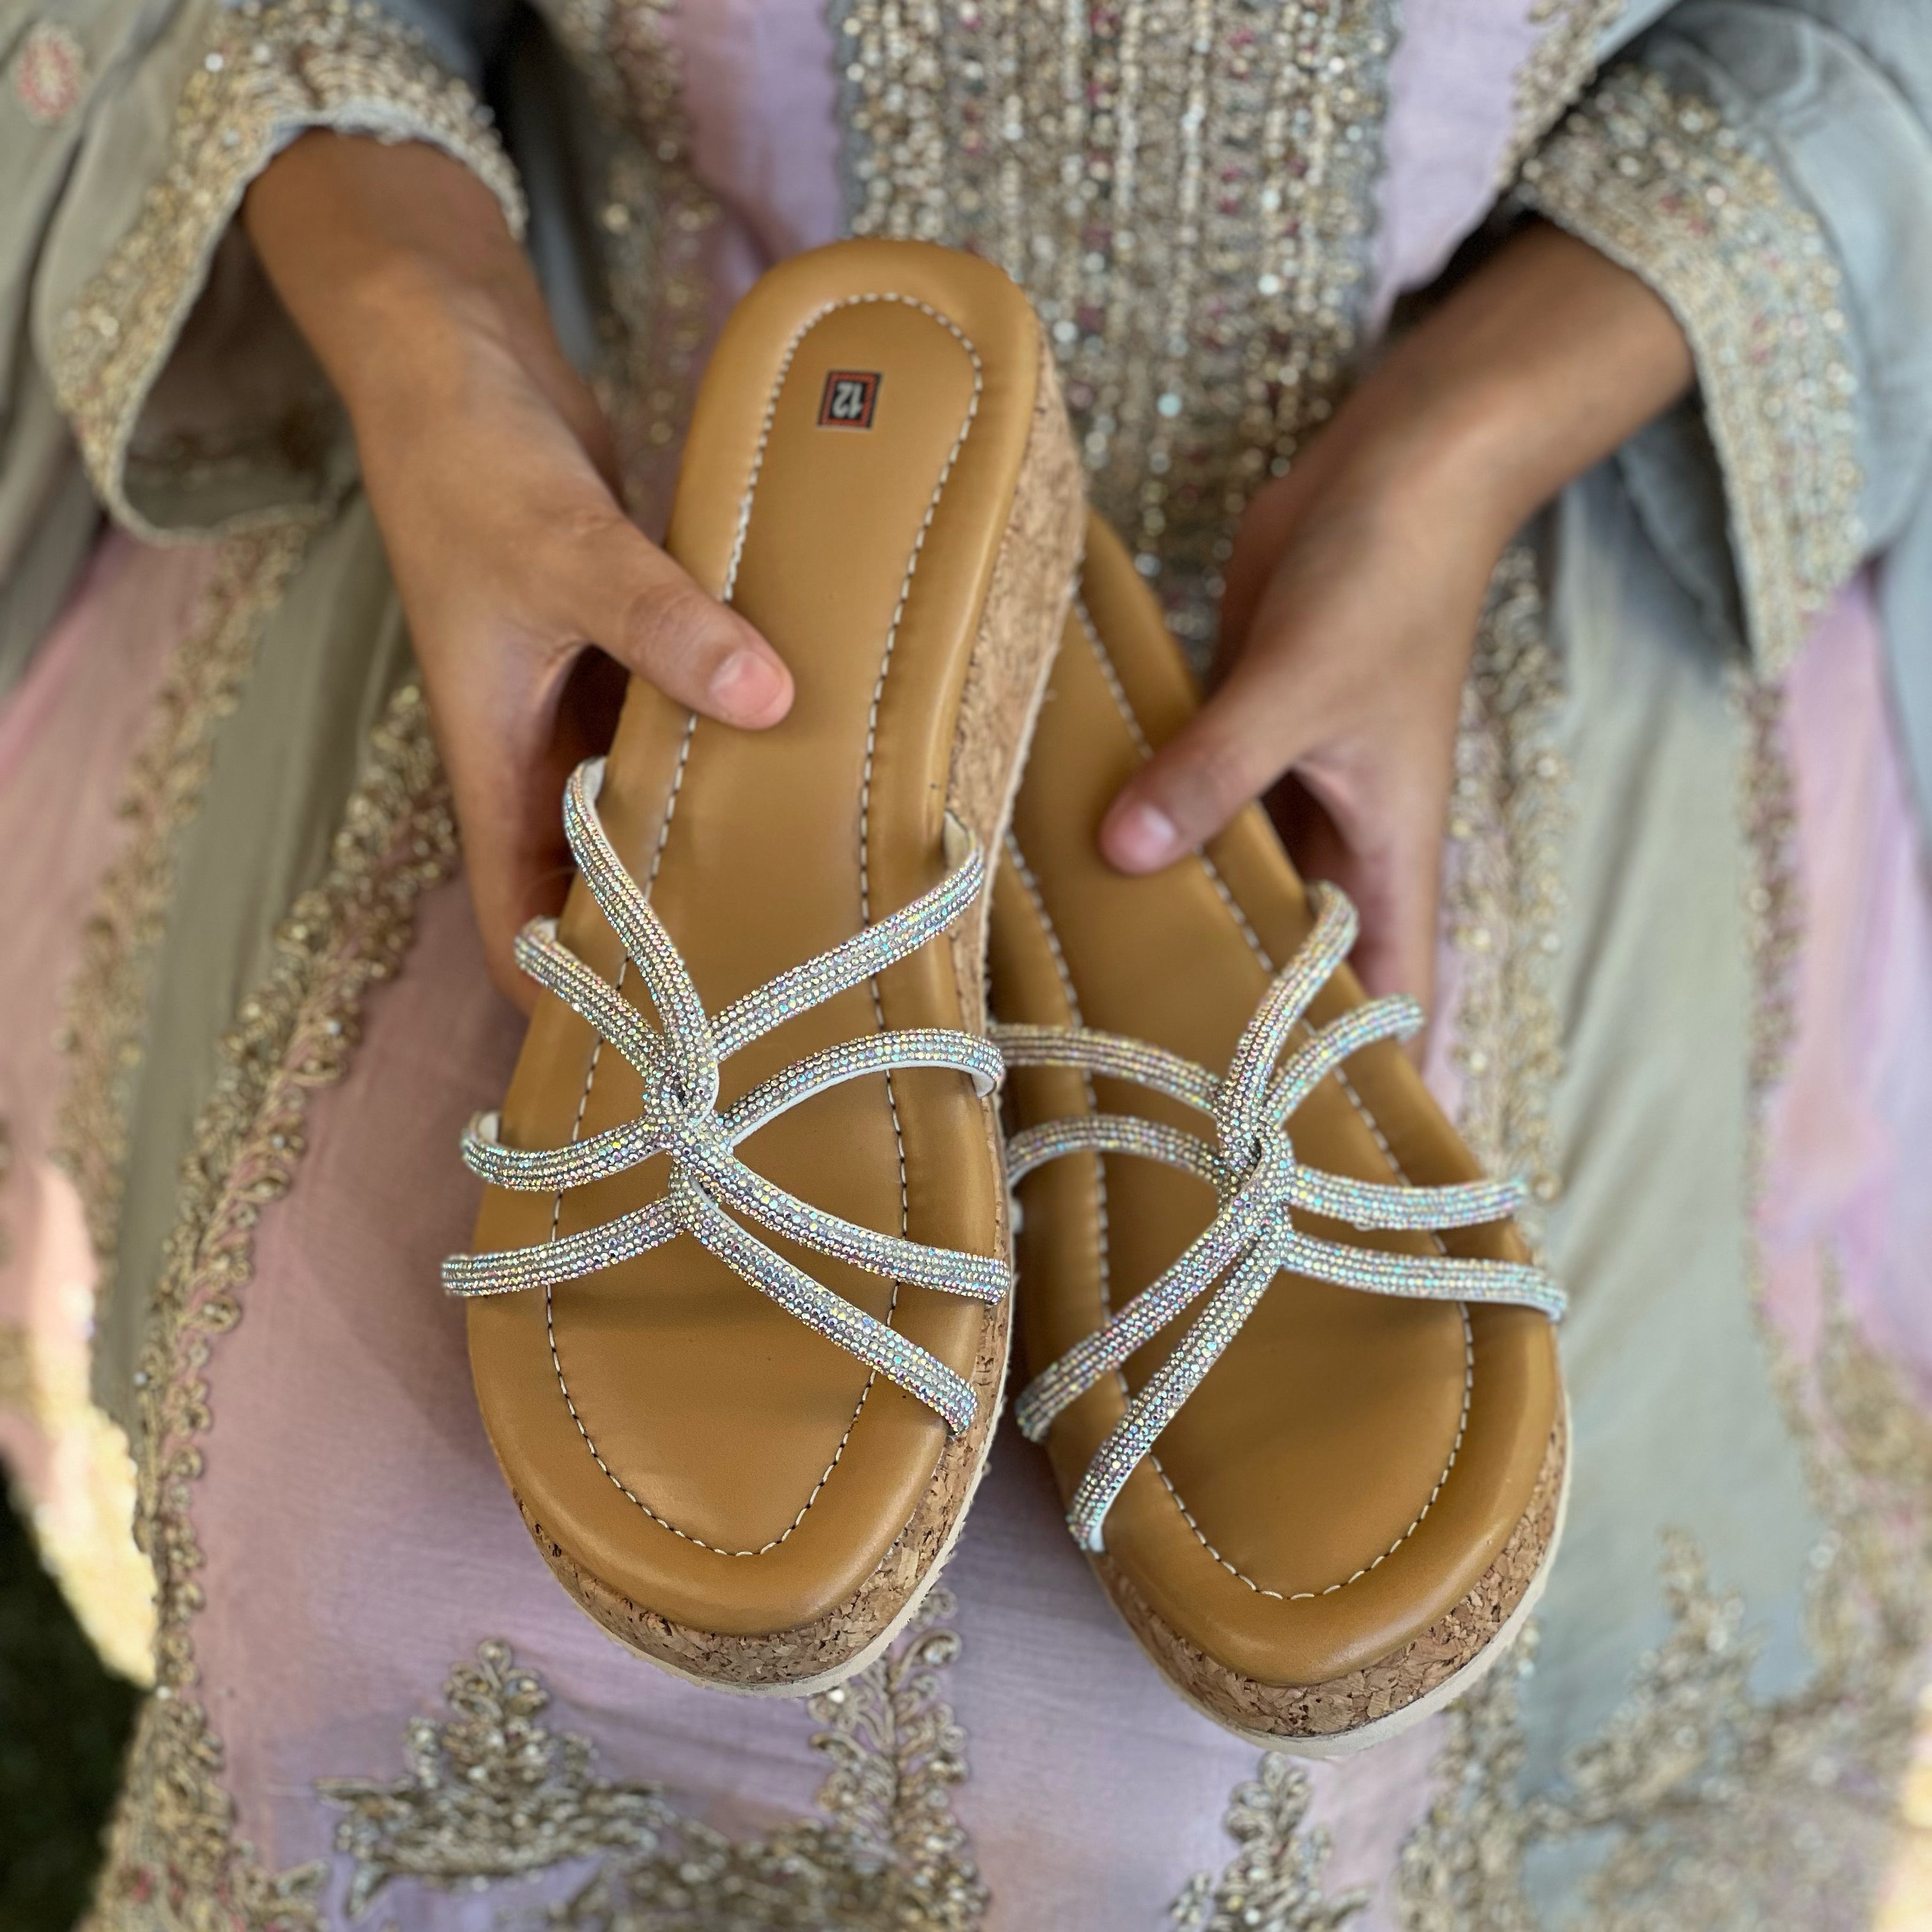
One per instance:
(494, 1793)
(105, 1010)
(265, 72)
(1774, 890)
(173, 1843)
(1557, 68)
(1503, 896)
(1658, 181)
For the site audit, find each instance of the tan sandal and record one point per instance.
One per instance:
(743, 1388)
(1326, 1504)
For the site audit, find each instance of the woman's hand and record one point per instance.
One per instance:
(1356, 580)
(490, 473)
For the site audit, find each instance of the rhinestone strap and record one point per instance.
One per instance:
(1252, 1166)
(678, 1060)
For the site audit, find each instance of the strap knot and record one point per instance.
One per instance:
(1260, 1183)
(711, 1193)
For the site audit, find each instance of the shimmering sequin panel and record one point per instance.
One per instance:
(1183, 187)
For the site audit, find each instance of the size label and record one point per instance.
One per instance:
(851, 397)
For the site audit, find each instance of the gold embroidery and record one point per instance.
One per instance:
(1658, 182)
(106, 1024)
(495, 1793)
(1461, 1869)
(1273, 1883)
(1557, 69)
(1773, 908)
(173, 1859)
(1185, 189)
(1721, 1808)
(1503, 898)
(655, 219)
(265, 70)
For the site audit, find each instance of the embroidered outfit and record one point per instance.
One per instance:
(1687, 955)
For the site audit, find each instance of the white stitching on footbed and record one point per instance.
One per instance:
(1122, 702)
(664, 834)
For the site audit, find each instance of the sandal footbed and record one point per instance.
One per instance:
(1354, 1465)
(739, 1493)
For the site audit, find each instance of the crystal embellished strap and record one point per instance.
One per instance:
(1253, 1165)
(678, 1060)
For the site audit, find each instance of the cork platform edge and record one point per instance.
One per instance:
(1365, 1707)
(819, 1655)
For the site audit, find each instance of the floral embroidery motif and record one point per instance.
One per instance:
(49, 72)
(173, 1859)
(106, 1024)
(267, 68)
(495, 1793)
(1557, 69)
(1658, 182)
(1185, 189)
(1273, 1883)
(1774, 900)
(1504, 897)
(1721, 1808)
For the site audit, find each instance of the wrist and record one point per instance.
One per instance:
(1449, 449)
(1541, 364)
(387, 257)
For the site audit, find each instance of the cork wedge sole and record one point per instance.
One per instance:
(819, 1655)
(968, 728)
(1345, 1515)
(1369, 1706)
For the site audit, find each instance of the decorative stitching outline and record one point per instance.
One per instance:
(739, 537)
(1126, 709)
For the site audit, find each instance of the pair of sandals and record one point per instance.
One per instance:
(740, 1306)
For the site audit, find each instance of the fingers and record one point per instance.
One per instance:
(1231, 751)
(628, 597)
(508, 759)
(516, 871)
(1383, 847)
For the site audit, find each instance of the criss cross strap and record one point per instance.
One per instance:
(1252, 1164)
(710, 1194)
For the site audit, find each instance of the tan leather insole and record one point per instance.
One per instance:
(1323, 1497)
(691, 1444)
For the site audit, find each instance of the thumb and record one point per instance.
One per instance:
(1246, 736)
(639, 605)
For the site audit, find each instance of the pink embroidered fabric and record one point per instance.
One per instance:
(67, 733)
(357, 1537)
(359, 1540)
(1851, 1122)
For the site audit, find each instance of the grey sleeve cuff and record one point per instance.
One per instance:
(197, 407)
(1755, 493)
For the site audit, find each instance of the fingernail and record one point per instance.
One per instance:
(1141, 838)
(746, 685)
